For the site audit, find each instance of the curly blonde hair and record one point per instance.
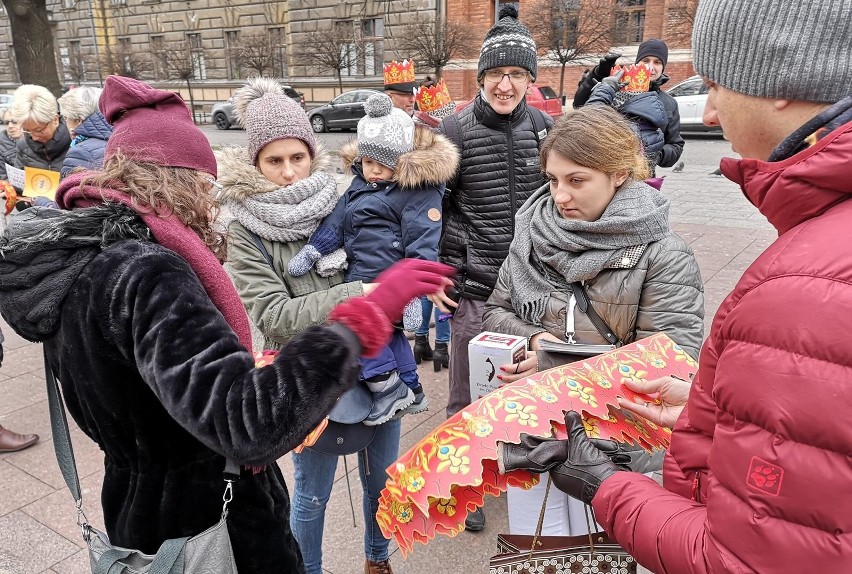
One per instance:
(166, 191)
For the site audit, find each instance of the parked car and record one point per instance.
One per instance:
(691, 97)
(343, 112)
(5, 100)
(541, 97)
(225, 118)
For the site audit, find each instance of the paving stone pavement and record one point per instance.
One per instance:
(38, 534)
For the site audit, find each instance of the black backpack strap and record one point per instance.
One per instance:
(539, 125)
(259, 243)
(586, 307)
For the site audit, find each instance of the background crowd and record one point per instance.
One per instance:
(122, 279)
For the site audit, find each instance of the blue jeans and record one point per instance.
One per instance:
(314, 478)
(442, 328)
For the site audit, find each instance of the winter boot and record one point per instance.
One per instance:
(441, 357)
(382, 567)
(422, 350)
(390, 395)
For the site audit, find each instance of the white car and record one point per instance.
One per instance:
(691, 96)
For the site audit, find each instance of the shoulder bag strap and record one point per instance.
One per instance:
(259, 243)
(539, 126)
(586, 307)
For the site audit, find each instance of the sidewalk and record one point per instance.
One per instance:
(38, 533)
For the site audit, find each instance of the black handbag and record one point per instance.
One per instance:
(345, 433)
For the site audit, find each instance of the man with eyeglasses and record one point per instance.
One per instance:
(498, 135)
(46, 138)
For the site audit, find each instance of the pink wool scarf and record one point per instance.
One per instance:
(172, 234)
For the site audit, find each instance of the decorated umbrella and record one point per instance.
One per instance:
(433, 486)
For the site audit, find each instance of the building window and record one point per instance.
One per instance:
(118, 2)
(500, 3)
(69, 4)
(629, 25)
(363, 49)
(199, 67)
(161, 58)
(277, 42)
(232, 53)
(76, 69)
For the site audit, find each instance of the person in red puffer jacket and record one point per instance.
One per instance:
(758, 475)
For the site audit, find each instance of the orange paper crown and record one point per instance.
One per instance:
(399, 72)
(638, 77)
(433, 98)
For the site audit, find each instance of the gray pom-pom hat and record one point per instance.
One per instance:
(385, 133)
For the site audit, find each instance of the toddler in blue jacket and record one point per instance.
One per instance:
(391, 211)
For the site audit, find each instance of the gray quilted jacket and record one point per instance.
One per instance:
(655, 289)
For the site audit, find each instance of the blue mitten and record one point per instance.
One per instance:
(304, 260)
(412, 315)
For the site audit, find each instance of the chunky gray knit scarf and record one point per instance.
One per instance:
(550, 252)
(288, 213)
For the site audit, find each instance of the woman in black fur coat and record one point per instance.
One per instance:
(152, 346)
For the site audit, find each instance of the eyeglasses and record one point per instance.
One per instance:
(10, 123)
(516, 77)
(216, 185)
(40, 131)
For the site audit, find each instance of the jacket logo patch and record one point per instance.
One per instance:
(434, 214)
(764, 476)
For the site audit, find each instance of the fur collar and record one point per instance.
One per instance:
(240, 179)
(434, 159)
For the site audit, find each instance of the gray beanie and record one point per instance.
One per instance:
(385, 133)
(508, 43)
(769, 49)
(268, 115)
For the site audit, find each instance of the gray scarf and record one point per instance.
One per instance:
(550, 252)
(289, 213)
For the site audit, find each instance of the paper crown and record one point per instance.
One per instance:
(636, 77)
(434, 97)
(399, 72)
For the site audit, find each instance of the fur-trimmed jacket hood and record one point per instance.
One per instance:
(433, 161)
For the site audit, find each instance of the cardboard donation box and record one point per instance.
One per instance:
(487, 353)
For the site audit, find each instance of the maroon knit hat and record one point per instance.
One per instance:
(153, 126)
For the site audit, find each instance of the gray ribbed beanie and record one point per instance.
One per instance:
(799, 50)
(268, 115)
(386, 132)
(508, 43)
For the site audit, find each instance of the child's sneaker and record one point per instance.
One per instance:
(390, 396)
(420, 404)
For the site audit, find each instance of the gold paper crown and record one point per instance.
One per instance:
(399, 72)
(637, 77)
(432, 98)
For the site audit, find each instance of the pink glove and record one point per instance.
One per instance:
(406, 280)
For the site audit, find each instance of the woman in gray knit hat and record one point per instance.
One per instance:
(596, 231)
(278, 190)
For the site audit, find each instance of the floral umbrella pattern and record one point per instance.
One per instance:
(433, 486)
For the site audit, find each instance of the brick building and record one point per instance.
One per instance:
(630, 22)
(144, 37)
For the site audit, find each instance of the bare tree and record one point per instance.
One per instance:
(129, 63)
(35, 56)
(330, 50)
(182, 63)
(681, 17)
(256, 54)
(571, 30)
(435, 44)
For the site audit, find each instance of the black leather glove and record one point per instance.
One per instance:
(534, 453)
(586, 468)
(604, 67)
(631, 457)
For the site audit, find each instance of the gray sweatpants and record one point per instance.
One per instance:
(467, 324)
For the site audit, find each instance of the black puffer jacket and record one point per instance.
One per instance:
(47, 155)
(499, 170)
